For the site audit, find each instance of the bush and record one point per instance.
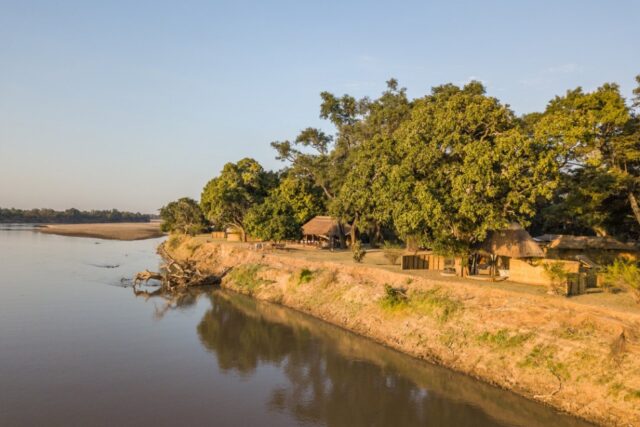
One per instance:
(393, 297)
(504, 339)
(623, 274)
(558, 276)
(305, 276)
(392, 253)
(247, 276)
(358, 251)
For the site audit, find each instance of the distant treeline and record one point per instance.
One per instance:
(69, 216)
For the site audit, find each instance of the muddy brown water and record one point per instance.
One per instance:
(78, 348)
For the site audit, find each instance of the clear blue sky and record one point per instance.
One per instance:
(130, 104)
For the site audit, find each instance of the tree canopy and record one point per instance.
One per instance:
(445, 169)
(466, 169)
(227, 198)
(183, 216)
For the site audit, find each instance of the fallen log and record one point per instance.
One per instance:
(175, 275)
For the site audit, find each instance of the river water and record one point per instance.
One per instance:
(79, 348)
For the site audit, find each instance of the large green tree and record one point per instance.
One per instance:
(467, 168)
(183, 216)
(597, 139)
(227, 198)
(286, 208)
(367, 196)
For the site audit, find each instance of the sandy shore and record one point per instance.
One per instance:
(112, 231)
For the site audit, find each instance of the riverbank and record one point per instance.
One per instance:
(110, 231)
(580, 359)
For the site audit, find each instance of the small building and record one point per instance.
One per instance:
(497, 253)
(429, 260)
(233, 234)
(595, 249)
(218, 235)
(324, 231)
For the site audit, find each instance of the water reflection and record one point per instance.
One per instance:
(337, 378)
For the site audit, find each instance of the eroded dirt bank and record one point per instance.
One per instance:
(580, 359)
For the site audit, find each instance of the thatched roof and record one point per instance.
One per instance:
(565, 241)
(513, 242)
(326, 226)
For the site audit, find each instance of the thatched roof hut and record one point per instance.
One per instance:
(564, 241)
(324, 226)
(513, 242)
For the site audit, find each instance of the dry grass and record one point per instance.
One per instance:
(553, 349)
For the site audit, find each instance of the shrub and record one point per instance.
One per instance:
(358, 251)
(246, 276)
(436, 303)
(558, 277)
(392, 253)
(623, 274)
(393, 297)
(305, 276)
(504, 339)
(174, 241)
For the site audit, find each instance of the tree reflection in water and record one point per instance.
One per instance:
(337, 378)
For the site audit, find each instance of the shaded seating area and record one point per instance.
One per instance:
(495, 255)
(324, 232)
(600, 249)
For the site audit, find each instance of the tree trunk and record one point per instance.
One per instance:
(634, 206)
(342, 236)
(354, 229)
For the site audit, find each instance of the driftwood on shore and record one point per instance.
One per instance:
(176, 275)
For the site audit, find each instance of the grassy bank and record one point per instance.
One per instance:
(578, 358)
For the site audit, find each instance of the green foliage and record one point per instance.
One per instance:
(543, 356)
(596, 138)
(305, 276)
(467, 168)
(366, 197)
(393, 298)
(558, 277)
(357, 251)
(272, 220)
(623, 274)
(174, 241)
(227, 198)
(183, 216)
(287, 207)
(436, 303)
(443, 170)
(504, 339)
(246, 276)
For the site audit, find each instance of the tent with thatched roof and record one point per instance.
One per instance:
(513, 242)
(564, 241)
(602, 249)
(495, 253)
(324, 228)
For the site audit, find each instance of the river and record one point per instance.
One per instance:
(78, 348)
